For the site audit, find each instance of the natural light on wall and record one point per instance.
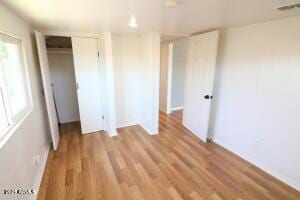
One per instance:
(14, 93)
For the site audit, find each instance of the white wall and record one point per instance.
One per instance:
(108, 88)
(136, 72)
(64, 85)
(150, 58)
(257, 94)
(17, 169)
(127, 70)
(178, 73)
(165, 77)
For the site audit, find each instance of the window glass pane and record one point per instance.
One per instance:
(3, 119)
(13, 79)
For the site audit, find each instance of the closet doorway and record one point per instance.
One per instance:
(61, 65)
(71, 75)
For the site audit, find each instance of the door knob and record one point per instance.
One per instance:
(208, 97)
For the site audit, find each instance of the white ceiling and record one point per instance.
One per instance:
(188, 17)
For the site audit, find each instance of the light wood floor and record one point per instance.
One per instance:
(134, 165)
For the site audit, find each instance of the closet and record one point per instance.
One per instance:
(71, 76)
(61, 65)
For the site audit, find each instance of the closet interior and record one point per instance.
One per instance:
(61, 66)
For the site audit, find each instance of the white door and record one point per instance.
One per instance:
(44, 65)
(200, 72)
(87, 73)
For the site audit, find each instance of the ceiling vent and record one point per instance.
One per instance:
(290, 7)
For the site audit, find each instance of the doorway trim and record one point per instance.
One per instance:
(170, 72)
(106, 73)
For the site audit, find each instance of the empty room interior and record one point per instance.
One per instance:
(161, 99)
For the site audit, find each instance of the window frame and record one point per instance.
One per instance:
(14, 123)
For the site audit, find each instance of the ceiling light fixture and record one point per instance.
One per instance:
(171, 3)
(132, 22)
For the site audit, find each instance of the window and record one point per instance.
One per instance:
(14, 92)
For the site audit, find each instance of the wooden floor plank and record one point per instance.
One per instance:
(134, 165)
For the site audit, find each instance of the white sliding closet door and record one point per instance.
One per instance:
(200, 72)
(46, 78)
(87, 73)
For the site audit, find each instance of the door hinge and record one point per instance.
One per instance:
(102, 117)
(98, 54)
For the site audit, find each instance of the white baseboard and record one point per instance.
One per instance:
(113, 133)
(177, 108)
(259, 164)
(150, 132)
(39, 177)
(127, 124)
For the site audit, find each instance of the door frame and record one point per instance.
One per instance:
(106, 69)
(170, 77)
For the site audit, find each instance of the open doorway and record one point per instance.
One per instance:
(187, 77)
(172, 76)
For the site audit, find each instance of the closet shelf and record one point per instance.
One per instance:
(59, 50)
